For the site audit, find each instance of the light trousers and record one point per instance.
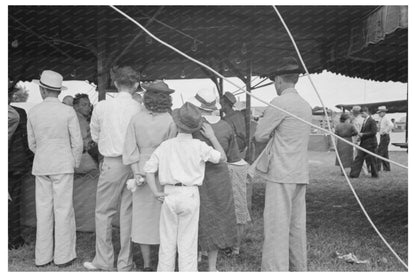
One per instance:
(110, 188)
(284, 245)
(54, 203)
(179, 229)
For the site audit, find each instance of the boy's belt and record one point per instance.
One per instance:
(181, 185)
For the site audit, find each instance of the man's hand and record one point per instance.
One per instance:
(139, 179)
(207, 131)
(160, 196)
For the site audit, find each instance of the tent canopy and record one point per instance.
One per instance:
(84, 42)
(399, 106)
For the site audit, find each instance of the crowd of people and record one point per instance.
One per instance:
(178, 178)
(361, 129)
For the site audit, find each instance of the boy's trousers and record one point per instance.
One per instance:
(179, 227)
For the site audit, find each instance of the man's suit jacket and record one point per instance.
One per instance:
(54, 136)
(369, 131)
(20, 156)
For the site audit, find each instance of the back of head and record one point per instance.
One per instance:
(365, 110)
(157, 101)
(288, 69)
(125, 77)
(344, 117)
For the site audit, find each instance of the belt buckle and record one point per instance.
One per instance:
(178, 185)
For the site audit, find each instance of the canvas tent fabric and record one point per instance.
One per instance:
(359, 41)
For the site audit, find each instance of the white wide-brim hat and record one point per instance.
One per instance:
(206, 100)
(51, 80)
(382, 109)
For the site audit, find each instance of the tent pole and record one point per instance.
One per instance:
(248, 113)
(407, 110)
(102, 70)
(221, 86)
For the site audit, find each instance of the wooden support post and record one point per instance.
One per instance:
(248, 114)
(102, 70)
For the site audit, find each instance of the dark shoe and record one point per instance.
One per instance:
(147, 269)
(374, 176)
(353, 177)
(71, 262)
(44, 265)
(17, 243)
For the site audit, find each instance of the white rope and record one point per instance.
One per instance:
(255, 97)
(280, 109)
(333, 140)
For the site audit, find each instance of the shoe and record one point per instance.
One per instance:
(90, 266)
(44, 265)
(17, 243)
(71, 262)
(147, 269)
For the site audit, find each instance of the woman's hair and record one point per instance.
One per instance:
(158, 102)
(344, 117)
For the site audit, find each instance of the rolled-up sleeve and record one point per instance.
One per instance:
(152, 164)
(77, 145)
(271, 119)
(209, 154)
(131, 152)
(95, 123)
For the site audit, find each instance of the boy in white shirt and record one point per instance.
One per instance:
(180, 163)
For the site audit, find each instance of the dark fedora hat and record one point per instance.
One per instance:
(286, 65)
(158, 86)
(188, 118)
(230, 97)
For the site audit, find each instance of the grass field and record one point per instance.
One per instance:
(334, 223)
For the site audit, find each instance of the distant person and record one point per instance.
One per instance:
(55, 138)
(20, 159)
(109, 123)
(368, 141)
(287, 172)
(345, 130)
(68, 100)
(146, 131)
(386, 126)
(357, 120)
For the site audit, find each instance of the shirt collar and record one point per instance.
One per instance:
(51, 99)
(123, 94)
(184, 136)
(289, 90)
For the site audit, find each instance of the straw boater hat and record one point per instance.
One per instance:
(286, 65)
(356, 108)
(206, 100)
(51, 80)
(230, 97)
(382, 109)
(157, 86)
(188, 118)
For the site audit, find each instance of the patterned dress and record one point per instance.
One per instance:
(217, 220)
(145, 133)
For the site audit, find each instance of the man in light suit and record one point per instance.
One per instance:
(284, 246)
(55, 138)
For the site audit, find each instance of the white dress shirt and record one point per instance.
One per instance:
(181, 160)
(109, 122)
(385, 126)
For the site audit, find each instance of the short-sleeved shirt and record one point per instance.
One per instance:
(181, 160)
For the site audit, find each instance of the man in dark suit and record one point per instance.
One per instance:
(368, 141)
(20, 159)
